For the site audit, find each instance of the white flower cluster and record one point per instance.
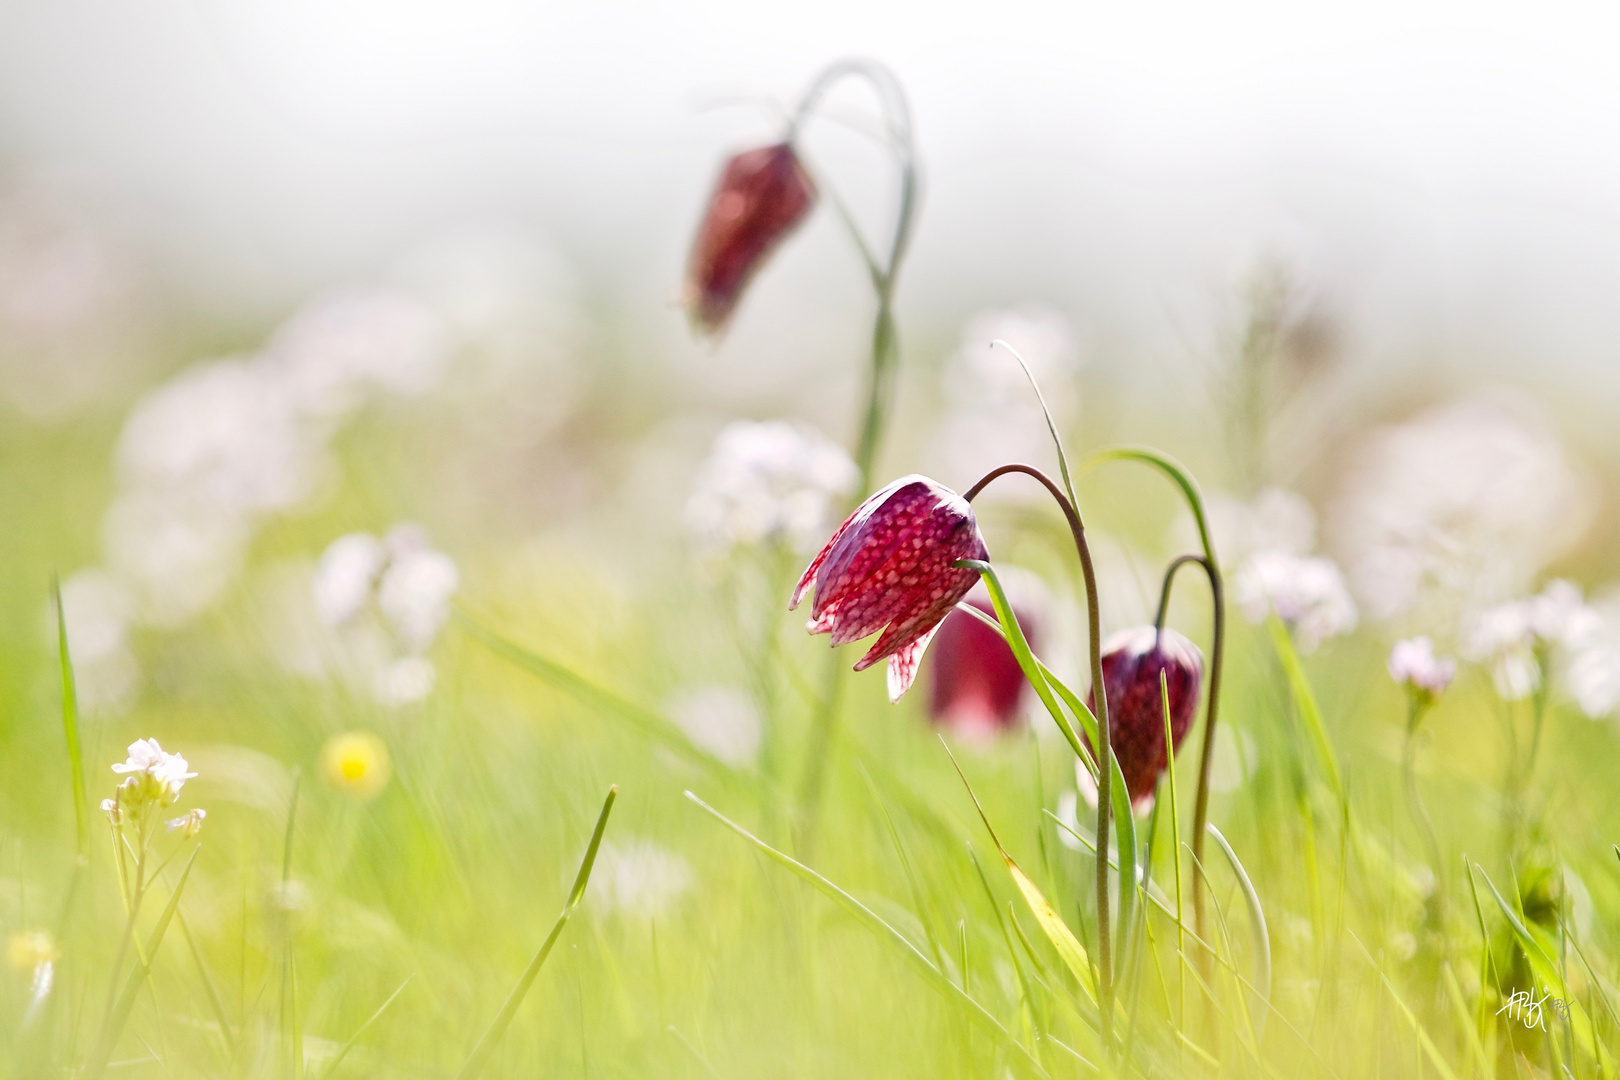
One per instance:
(639, 877)
(769, 482)
(204, 457)
(152, 780)
(1459, 508)
(1307, 592)
(1515, 638)
(394, 593)
(992, 416)
(1412, 664)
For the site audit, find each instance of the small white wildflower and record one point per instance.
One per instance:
(722, 721)
(639, 877)
(769, 482)
(1559, 614)
(1307, 593)
(1505, 638)
(346, 576)
(1274, 520)
(188, 824)
(154, 775)
(1412, 663)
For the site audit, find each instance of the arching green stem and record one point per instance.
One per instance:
(1105, 987)
(1178, 475)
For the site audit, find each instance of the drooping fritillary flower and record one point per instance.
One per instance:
(976, 685)
(1131, 663)
(763, 193)
(889, 567)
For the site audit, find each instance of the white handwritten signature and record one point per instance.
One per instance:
(1524, 1006)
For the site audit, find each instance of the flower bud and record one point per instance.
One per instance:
(977, 685)
(762, 194)
(890, 568)
(1131, 663)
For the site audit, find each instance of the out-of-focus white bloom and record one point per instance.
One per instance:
(1307, 593)
(769, 482)
(228, 432)
(992, 416)
(110, 808)
(639, 877)
(1412, 663)
(414, 594)
(1274, 520)
(98, 609)
(1507, 637)
(721, 720)
(340, 346)
(346, 577)
(178, 552)
(1459, 508)
(405, 680)
(189, 823)
(1236, 755)
(154, 776)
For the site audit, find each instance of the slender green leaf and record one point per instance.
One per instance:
(70, 727)
(867, 917)
(1257, 921)
(332, 1066)
(1300, 687)
(479, 1058)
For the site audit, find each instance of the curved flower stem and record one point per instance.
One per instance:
(1105, 749)
(1164, 590)
(885, 346)
(1178, 474)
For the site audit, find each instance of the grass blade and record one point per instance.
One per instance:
(1305, 699)
(70, 726)
(872, 921)
(363, 1028)
(113, 1026)
(480, 1055)
(1257, 920)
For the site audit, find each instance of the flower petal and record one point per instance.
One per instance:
(903, 665)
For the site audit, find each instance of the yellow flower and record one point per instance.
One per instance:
(356, 763)
(30, 949)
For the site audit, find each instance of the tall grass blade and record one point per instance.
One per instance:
(870, 919)
(1305, 699)
(480, 1055)
(1430, 1050)
(1257, 921)
(113, 1024)
(332, 1066)
(1175, 855)
(70, 727)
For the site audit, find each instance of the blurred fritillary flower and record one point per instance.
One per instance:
(356, 763)
(1132, 662)
(977, 685)
(763, 193)
(890, 568)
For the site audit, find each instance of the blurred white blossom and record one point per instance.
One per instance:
(721, 720)
(1515, 638)
(992, 415)
(189, 823)
(387, 599)
(1412, 664)
(152, 776)
(1306, 592)
(1458, 508)
(638, 877)
(769, 482)
(1274, 520)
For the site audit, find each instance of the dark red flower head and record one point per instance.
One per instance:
(1131, 662)
(889, 568)
(977, 685)
(762, 195)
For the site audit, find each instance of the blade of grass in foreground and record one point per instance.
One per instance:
(70, 726)
(865, 915)
(1257, 917)
(363, 1028)
(113, 1025)
(1300, 686)
(656, 727)
(486, 1045)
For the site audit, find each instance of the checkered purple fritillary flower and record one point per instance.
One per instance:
(1131, 663)
(889, 567)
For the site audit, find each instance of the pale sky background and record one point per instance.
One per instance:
(1447, 173)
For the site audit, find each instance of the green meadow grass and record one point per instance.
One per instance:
(317, 935)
